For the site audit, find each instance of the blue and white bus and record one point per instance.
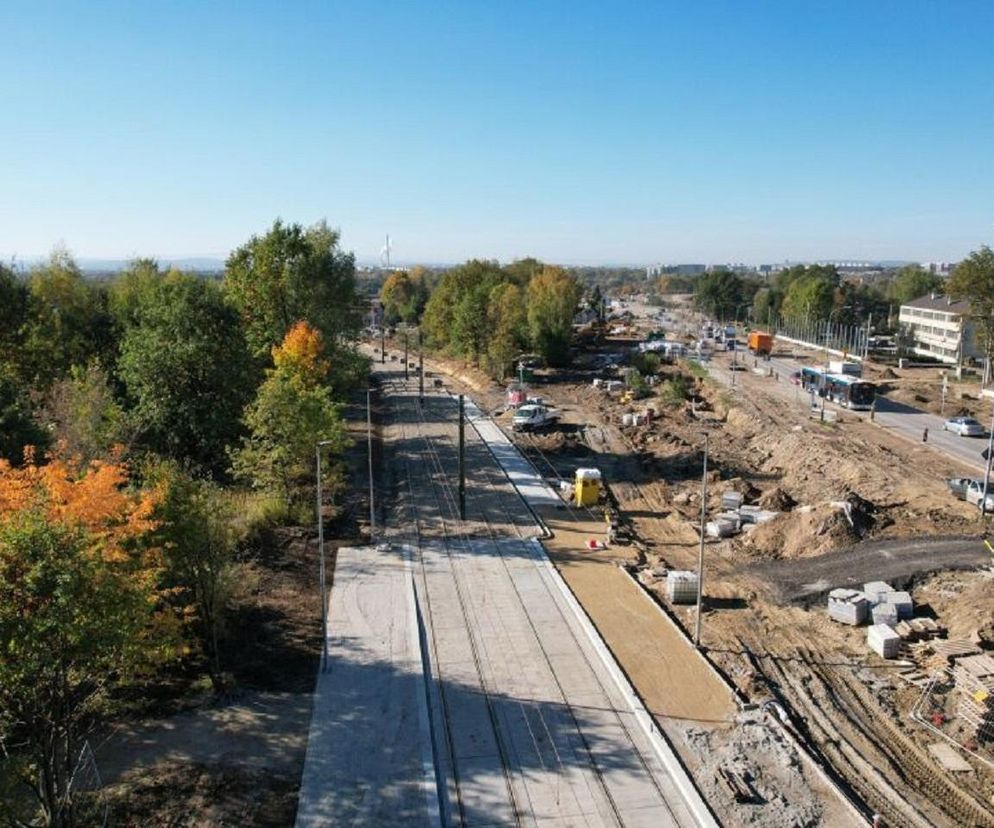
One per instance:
(842, 389)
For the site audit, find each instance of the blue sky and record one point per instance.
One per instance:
(576, 132)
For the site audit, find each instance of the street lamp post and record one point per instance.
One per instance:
(369, 451)
(987, 468)
(321, 571)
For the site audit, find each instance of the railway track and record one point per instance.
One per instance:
(431, 499)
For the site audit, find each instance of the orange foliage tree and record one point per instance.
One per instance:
(79, 609)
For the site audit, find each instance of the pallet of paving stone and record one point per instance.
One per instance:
(847, 606)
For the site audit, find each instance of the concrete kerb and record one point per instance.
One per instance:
(660, 744)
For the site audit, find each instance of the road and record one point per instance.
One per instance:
(904, 420)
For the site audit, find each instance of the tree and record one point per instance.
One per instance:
(455, 317)
(187, 372)
(291, 274)
(78, 612)
(553, 299)
(14, 310)
(404, 295)
(809, 296)
(911, 282)
(508, 324)
(195, 531)
(18, 427)
(132, 289)
(291, 413)
(973, 281)
(83, 416)
(719, 293)
(68, 322)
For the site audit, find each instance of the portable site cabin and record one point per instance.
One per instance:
(588, 487)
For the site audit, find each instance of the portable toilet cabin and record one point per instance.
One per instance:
(516, 394)
(588, 487)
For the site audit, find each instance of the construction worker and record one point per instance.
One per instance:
(612, 527)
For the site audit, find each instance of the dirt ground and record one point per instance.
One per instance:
(847, 707)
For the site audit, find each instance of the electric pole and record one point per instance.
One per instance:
(700, 555)
(462, 458)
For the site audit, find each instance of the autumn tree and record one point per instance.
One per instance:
(78, 612)
(553, 299)
(973, 281)
(291, 413)
(187, 372)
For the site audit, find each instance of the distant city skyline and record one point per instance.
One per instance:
(579, 133)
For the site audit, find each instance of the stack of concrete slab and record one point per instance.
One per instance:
(883, 641)
(902, 602)
(730, 501)
(885, 614)
(848, 606)
(721, 527)
(974, 677)
(754, 514)
(876, 592)
(681, 586)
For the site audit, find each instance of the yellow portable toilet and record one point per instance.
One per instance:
(588, 487)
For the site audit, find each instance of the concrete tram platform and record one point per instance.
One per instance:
(369, 759)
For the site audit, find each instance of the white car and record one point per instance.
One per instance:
(964, 427)
(975, 494)
(532, 417)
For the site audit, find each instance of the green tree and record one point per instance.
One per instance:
(69, 323)
(910, 282)
(14, 311)
(196, 533)
(132, 289)
(82, 415)
(973, 281)
(291, 413)
(455, 317)
(404, 295)
(719, 293)
(187, 372)
(809, 295)
(18, 427)
(290, 274)
(553, 299)
(507, 321)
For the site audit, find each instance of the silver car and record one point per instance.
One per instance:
(964, 427)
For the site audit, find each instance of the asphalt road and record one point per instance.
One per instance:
(808, 580)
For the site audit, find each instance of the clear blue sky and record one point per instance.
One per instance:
(576, 132)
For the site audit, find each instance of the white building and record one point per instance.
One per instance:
(940, 328)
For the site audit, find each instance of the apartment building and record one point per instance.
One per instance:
(940, 328)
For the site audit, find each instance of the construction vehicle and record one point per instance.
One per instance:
(533, 417)
(760, 342)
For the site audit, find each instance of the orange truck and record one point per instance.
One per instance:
(760, 342)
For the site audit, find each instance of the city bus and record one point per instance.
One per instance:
(842, 389)
(851, 392)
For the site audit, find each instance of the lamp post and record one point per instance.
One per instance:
(987, 468)
(321, 573)
(369, 451)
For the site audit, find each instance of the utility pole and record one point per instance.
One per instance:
(700, 556)
(383, 341)
(369, 451)
(421, 370)
(406, 377)
(462, 457)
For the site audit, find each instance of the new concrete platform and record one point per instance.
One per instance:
(369, 758)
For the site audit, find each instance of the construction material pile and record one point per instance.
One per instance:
(681, 587)
(974, 677)
(847, 606)
(883, 641)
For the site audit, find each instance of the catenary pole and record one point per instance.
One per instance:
(700, 554)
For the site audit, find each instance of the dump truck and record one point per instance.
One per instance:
(760, 342)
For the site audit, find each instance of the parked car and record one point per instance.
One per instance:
(964, 427)
(975, 493)
(958, 485)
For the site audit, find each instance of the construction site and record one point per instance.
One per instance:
(838, 672)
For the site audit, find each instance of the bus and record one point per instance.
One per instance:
(851, 392)
(842, 389)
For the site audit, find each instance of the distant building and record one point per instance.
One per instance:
(940, 328)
